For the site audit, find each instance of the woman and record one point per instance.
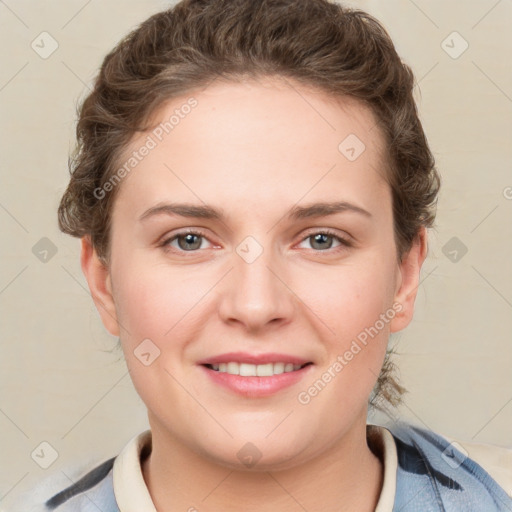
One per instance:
(252, 187)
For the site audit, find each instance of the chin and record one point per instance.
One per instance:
(256, 456)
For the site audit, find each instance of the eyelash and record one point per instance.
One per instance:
(344, 243)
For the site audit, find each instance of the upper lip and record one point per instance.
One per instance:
(244, 357)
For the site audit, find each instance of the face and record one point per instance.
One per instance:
(283, 258)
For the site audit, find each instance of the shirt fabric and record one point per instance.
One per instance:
(423, 471)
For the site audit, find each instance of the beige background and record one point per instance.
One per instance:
(59, 382)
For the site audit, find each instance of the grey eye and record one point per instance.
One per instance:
(191, 241)
(320, 239)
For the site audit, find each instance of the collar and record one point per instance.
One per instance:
(130, 489)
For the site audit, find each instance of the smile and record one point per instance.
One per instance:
(255, 370)
(255, 376)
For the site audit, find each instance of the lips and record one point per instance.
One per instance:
(255, 375)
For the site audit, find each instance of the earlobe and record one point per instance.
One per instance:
(409, 280)
(100, 285)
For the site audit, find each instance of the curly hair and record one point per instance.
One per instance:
(320, 44)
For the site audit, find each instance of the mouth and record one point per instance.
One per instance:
(255, 376)
(256, 370)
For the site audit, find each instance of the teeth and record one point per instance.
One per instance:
(247, 370)
(278, 368)
(264, 370)
(255, 370)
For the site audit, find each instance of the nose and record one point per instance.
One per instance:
(255, 293)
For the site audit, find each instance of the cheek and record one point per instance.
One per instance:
(156, 310)
(353, 298)
(152, 301)
(351, 364)
(358, 308)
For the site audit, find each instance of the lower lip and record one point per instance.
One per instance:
(254, 387)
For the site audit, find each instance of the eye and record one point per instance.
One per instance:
(187, 241)
(323, 240)
(191, 241)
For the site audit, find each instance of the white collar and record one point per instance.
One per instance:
(130, 489)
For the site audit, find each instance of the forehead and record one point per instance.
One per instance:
(255, 142)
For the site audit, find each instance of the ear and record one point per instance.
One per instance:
(99, 281)
(408, 280)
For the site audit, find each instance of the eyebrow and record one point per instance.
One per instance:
(313, 210)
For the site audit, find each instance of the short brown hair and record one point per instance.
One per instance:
(321, 44)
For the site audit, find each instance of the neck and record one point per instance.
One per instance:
(346, 476)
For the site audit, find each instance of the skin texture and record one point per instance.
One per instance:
(256, 150)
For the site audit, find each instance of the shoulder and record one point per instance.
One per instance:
(86, 487)
(496, 460)
(452, 474)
